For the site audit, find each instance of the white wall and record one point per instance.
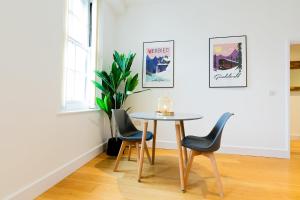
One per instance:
(107, 33)
(35, 139)
(295, 95)
(259, 126)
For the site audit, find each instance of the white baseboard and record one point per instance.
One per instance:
(42, 184)
(251, 151)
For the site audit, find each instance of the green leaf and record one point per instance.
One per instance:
(116, 75)
(105, 105)
(116, 56)
(129, 61)
(127, 84)
(100, 103)
(120, 60)
(130, 85)
(133, 83)
(105, 78)
(106, 102)
(100, 87)
(108, 105)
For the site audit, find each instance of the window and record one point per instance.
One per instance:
(79, 92)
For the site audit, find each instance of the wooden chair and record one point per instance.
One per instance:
(130, 135)
(206, 146)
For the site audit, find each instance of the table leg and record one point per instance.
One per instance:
(142, 150)
(183, 148)
(180, 159)
(154, 140)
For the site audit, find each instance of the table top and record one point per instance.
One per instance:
(176, 117)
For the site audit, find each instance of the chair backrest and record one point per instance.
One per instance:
(123, 122)
(216, 133)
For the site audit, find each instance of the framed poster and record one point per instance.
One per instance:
(158, 64)
(228, 62)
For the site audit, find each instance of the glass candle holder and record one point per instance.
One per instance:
(165, 106)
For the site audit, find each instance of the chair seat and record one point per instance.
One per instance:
(197, 143)
(137, 136)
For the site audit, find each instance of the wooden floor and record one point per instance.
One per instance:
(244, 177)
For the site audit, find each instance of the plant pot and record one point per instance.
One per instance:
(113, 146)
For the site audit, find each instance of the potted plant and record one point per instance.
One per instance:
(115, 87)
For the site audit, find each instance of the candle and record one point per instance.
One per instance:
(164, 106)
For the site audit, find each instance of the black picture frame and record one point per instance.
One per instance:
(143, 65)
(246, 64)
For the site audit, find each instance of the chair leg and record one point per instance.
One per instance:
(137, 152)
(189, 166)
(216, 172)
(148, 155)
(124, 143)
(129, 152)
(140, 168)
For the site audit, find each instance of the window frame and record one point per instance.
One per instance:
(92, 46)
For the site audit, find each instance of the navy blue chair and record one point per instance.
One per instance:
(206, 146)
(129, 135)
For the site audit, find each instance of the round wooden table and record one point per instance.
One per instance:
(179, 119)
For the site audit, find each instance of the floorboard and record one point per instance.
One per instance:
(244, 177)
